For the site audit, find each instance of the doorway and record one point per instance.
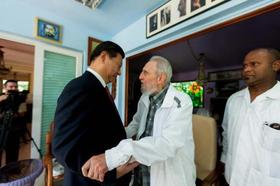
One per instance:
(49, 62)
(223, 45)
(18, 65)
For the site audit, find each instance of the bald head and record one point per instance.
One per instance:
(272, 53)
(260, 67)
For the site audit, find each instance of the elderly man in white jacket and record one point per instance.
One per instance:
(164, 144)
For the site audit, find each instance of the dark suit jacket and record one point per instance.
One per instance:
(86, 124)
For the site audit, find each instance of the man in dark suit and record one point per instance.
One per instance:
(86, 119)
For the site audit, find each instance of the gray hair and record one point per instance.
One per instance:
(163, 66)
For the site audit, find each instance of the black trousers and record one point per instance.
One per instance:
(12, 147)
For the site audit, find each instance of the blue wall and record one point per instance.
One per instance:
(18, 18)
(133, 38)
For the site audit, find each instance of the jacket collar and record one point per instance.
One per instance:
(169, 97)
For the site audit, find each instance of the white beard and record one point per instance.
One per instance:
(148, 92)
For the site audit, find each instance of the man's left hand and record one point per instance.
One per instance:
(126, 168)
(95, 168)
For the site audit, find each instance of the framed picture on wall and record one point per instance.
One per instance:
(48, 31)
(176, 11)
(234, 74)
(197, 4)
(92, 43)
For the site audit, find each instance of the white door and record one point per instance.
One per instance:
(54, 68)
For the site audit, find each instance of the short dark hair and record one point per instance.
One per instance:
(110, 47)
(275, 54)
(10, 81)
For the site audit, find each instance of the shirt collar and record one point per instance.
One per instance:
(159, 96)
(274, 92)
(97, 76)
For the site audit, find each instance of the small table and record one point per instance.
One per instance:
(22, 172)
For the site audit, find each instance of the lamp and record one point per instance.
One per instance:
(201, 75)
(3, 69)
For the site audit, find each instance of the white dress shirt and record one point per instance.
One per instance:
(251, 149)
(97, 76)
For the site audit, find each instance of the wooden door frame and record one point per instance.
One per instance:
(224, 24)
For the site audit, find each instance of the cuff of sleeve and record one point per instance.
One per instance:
(115, 157)
(223, 158)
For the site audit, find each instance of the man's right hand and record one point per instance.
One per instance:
(95, 168)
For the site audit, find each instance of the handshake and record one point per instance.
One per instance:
(96, 167)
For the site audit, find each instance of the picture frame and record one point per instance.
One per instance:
(176, 11)
(234, 74)
(48, 31)
(92, 43)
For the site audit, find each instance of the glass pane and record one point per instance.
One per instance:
(58, 71)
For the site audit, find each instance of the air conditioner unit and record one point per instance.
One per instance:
(95, 4)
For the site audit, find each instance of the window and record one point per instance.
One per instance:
(22, 85)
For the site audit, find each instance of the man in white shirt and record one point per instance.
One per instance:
(163, 127)
(251, 137)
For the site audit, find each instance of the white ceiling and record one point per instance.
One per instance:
(18, 56)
